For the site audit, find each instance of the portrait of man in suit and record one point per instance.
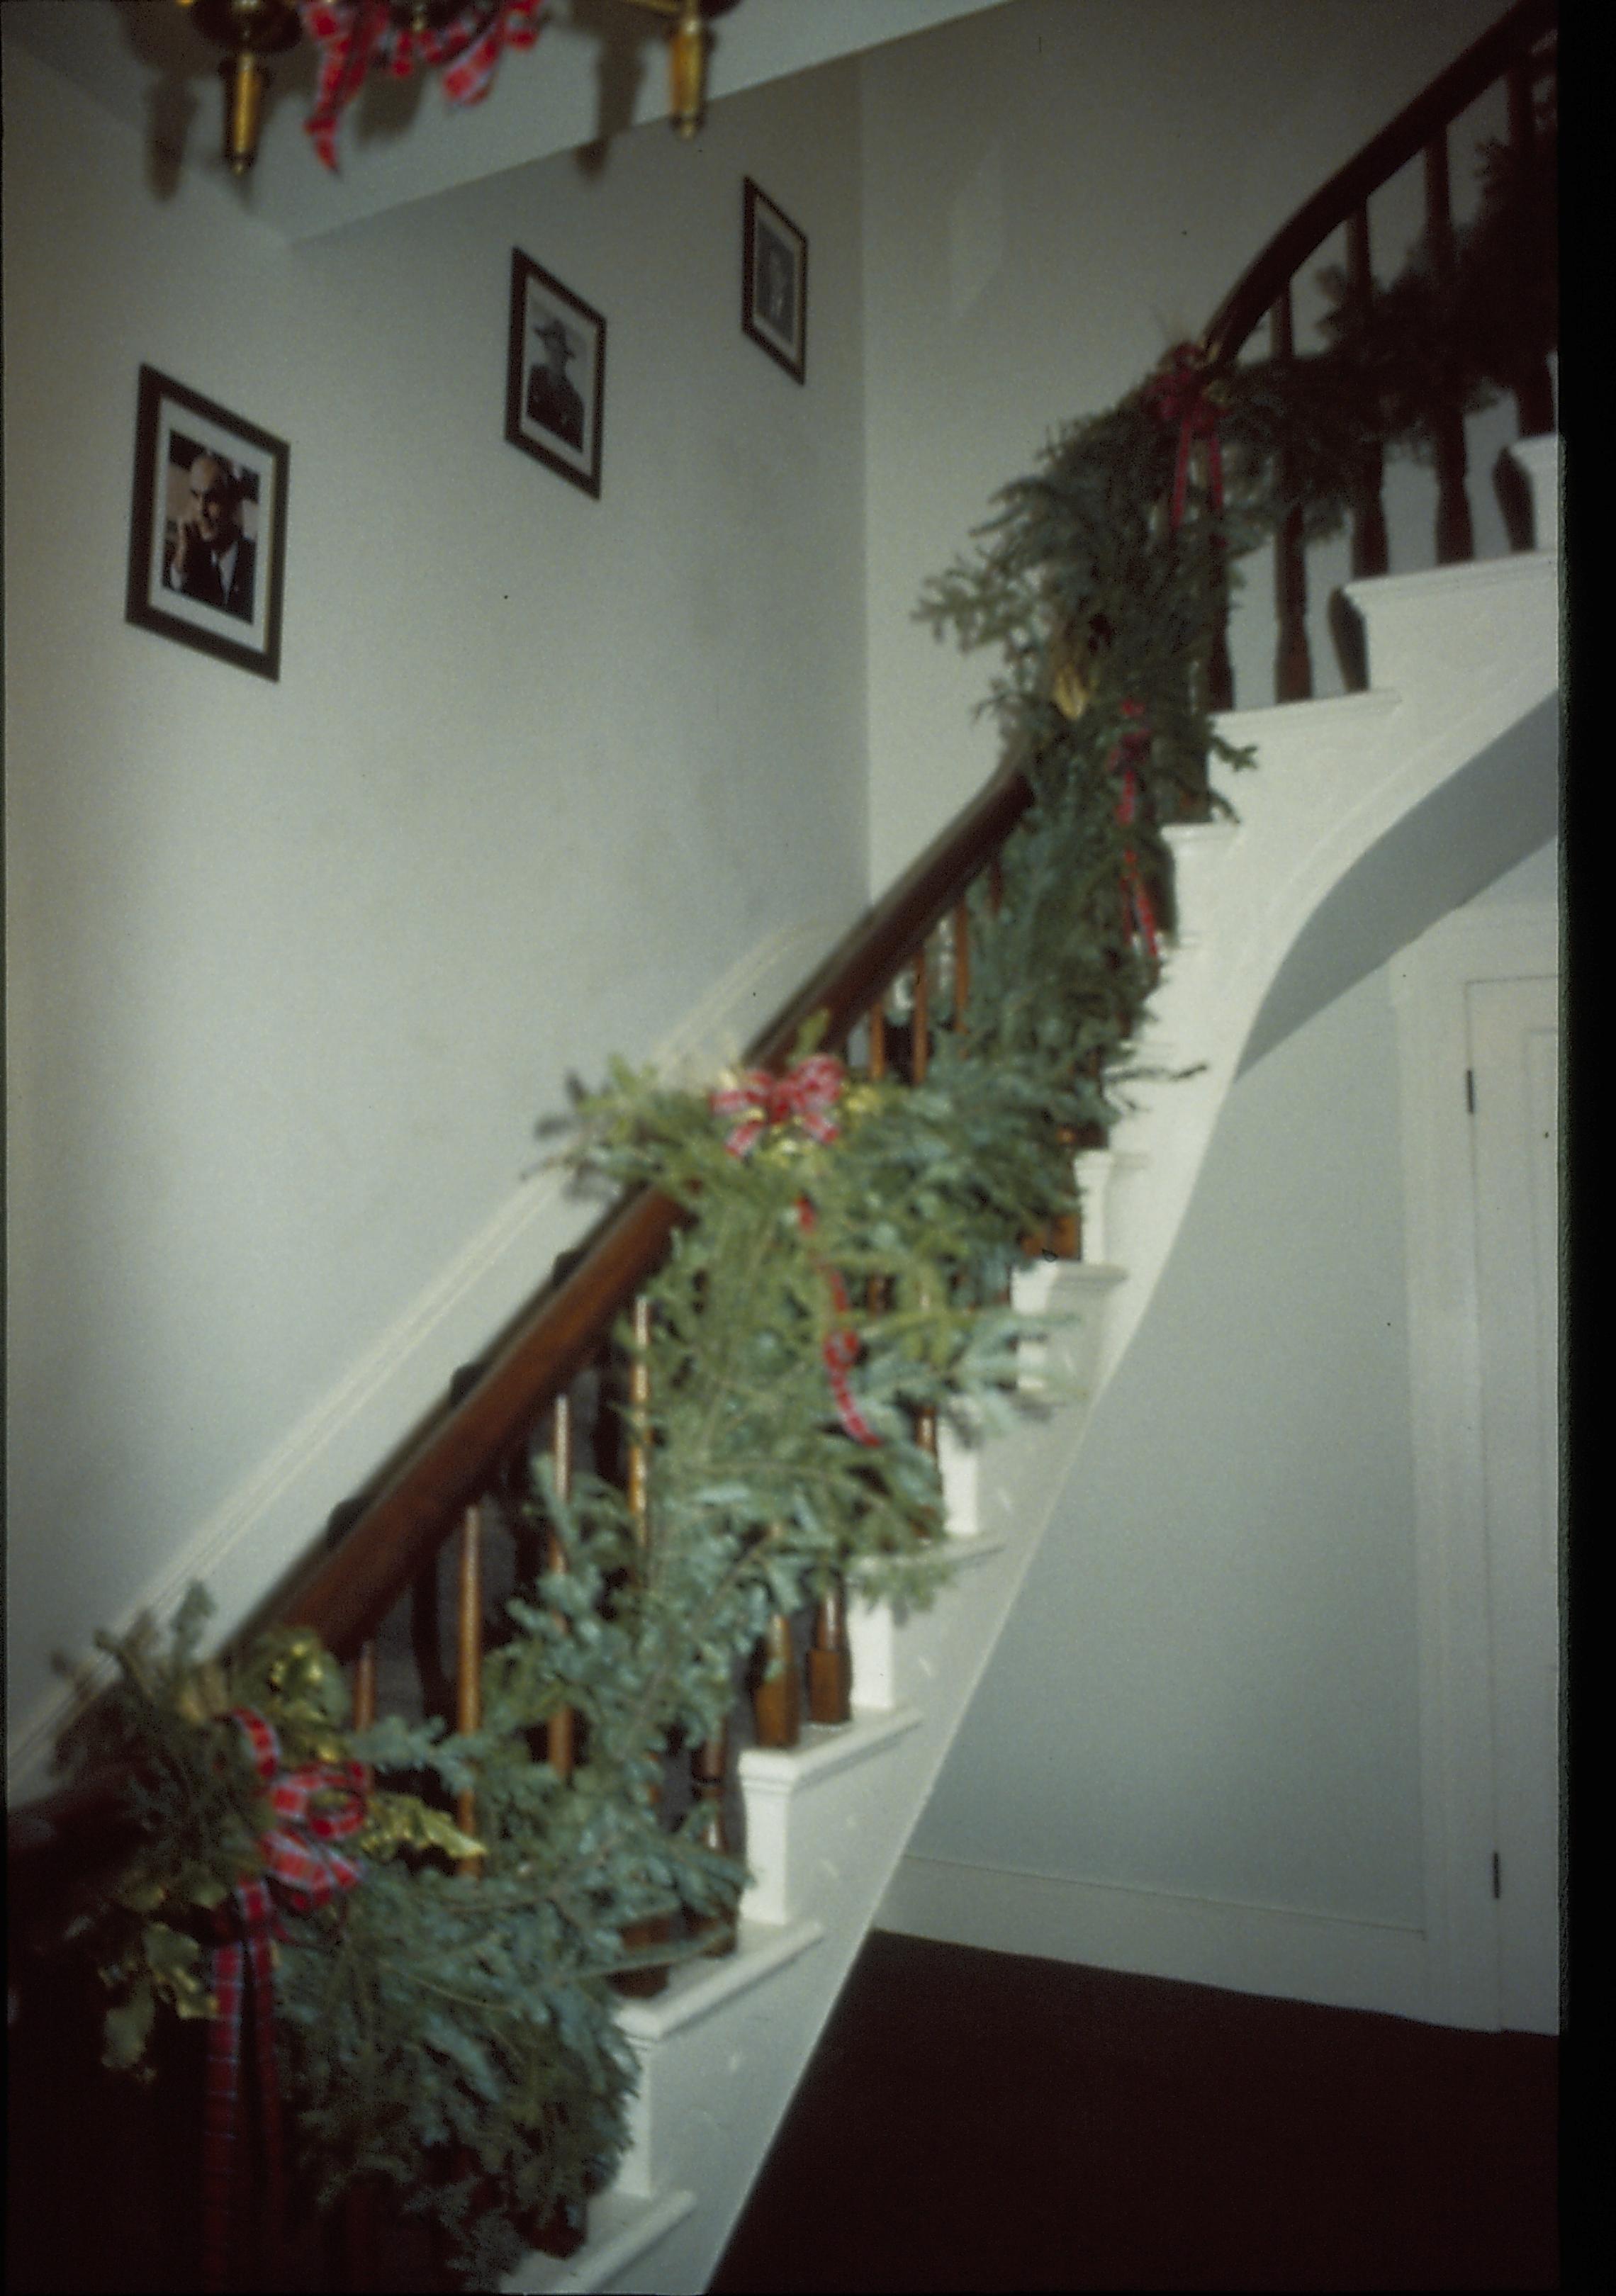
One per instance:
(212, 560)
(553, 399)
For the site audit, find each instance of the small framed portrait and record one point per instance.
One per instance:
(774, 282)
(208, 527)
(555, 380)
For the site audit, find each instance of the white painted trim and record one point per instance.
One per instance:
(1279, 1951)
(266, 1524)
(621, 2228)
(1428, 981)
(700, 1989)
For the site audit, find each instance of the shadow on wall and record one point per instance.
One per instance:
(1500, 807)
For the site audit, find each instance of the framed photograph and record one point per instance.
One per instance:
(208, 527)
(774, 282)
(555, 381)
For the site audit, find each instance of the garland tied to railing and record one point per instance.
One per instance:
(428, 2015)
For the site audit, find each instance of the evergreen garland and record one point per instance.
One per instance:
(451, 2031)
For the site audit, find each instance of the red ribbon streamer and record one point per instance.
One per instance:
(242, 1957)
(1179, 393)
(805, 1095)
(840, 1346)
(299, 1855)
(1139, 910)
(354, 33)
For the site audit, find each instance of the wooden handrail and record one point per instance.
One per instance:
(345, 1595)
(1260, 285)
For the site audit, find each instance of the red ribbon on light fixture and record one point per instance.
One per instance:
(353, 34)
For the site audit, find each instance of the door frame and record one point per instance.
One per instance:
(1498, 941)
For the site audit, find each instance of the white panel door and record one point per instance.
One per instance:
(1514, 1046)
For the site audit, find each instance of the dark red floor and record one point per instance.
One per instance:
(978, 2121)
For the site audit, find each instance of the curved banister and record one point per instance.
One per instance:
(1469, 76)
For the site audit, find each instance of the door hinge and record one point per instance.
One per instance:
(1470, 1090)
(1498, 1884)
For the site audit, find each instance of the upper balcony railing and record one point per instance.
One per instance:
(1515, 52)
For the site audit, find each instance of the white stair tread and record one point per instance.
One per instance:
(824, 1749)
(969, 1547)
(696, 1988)
(1240, 727)
(621, 2228)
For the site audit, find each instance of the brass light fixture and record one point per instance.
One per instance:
(249, 30)
(688, 40)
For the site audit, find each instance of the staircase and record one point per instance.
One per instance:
(1343, 848)
(1347, 814)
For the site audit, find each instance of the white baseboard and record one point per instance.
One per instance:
(1273, 1950)
(268, 1522)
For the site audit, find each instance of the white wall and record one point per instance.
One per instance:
(1210, 1686)
(1197, 1748)
(1055, 193)
(294, 968)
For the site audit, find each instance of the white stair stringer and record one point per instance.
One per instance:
(1462, 656)
(1473, 652)
(723, 2049)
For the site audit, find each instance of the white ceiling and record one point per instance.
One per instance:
(598, 68)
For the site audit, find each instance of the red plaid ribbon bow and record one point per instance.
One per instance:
(312, 1809)
(1179, 392)
(354, 33)
(1131, 750)
(805, 1095)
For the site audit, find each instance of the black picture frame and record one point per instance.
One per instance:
(774, 280)
(225, 600)
(553, 415)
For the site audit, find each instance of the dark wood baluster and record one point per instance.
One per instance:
(876, 1064)
(1219, 669)
(829, 1662)
(875, 1069)
(655, 1929)
(925, 1421)
(1455, 540)
(777, 1692)
(561, 1732)
(920, 1019)
(961, 963)
(1065, 1230)
(1535, 391)
(1292, 664)
(710, 1770)
(468, 1658)
(360, 2223)
(562, 2232)
(1370, 555)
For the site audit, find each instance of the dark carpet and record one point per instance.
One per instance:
(975, 2120)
